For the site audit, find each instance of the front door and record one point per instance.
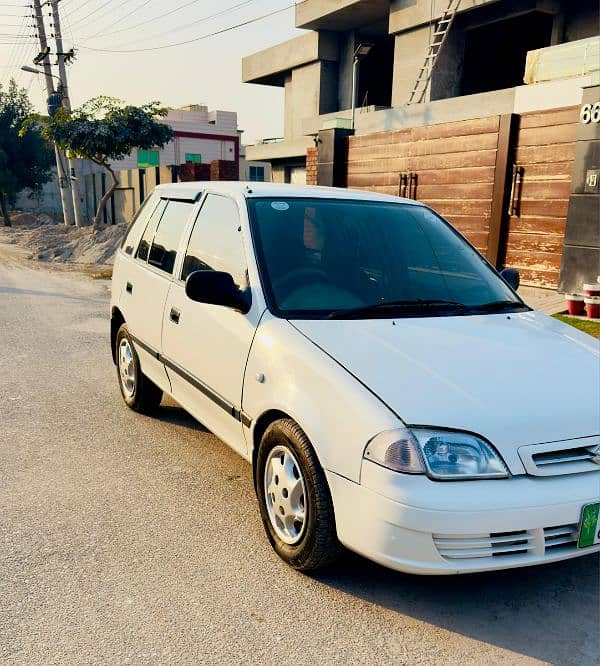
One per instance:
(205, 347)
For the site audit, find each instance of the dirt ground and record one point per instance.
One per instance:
(49, 241)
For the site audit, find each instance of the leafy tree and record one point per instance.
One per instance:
(25, 157)
(104, 129)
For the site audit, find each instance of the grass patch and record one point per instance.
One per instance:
(589, 326)
(97, 273)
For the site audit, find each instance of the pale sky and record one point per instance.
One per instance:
(204, 72)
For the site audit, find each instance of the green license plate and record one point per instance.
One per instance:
(589, 532)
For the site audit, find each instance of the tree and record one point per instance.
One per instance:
(25, 156)
(104, 129)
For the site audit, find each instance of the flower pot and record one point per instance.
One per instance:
(592, 307)
(575, 304)
(591, 289)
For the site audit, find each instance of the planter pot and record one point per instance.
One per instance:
(592, 308)
(591, 289)
(575, 305)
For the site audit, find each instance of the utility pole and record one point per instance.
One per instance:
(63, 177)
(62, 72)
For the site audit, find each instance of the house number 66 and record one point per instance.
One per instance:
(590, 113)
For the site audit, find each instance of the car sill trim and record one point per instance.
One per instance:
(232, 410)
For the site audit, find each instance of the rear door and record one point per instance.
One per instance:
(148, 280)
(206, 347)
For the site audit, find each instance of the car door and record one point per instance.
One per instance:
(148, 281)
(206, 347)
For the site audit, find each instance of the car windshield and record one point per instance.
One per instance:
(332, 258)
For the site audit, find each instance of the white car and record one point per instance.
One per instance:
(391, 391)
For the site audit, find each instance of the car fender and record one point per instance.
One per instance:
(288, 373)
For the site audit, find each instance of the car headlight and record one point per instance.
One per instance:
(441, 454)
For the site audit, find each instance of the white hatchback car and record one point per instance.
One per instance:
(389, 387)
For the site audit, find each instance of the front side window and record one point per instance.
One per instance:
(216, 241)
(168, 235)
(325, 258)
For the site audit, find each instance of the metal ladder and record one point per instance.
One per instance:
(437, 41)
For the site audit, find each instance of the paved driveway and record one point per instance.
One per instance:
(126, 539)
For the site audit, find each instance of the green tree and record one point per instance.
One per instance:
(104, 129)
(25, 156)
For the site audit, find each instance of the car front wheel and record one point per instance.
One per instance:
(294, 498)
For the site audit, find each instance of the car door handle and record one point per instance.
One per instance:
(129, 288)
(174, 315)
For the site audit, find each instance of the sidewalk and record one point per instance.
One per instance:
(544, 300)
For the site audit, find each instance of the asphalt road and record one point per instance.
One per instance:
(128, 539)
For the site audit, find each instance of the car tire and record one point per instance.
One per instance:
(139, 393)
(290, 482)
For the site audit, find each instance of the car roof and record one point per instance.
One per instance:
(191, 191)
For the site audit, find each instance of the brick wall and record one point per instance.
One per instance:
(311, 166)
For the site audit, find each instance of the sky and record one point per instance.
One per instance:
(206, 71)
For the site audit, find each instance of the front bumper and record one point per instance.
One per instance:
(416, 525)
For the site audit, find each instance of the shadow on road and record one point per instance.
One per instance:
(549, 612)
(171, 412)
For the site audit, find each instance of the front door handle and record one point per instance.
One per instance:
(174, 315)
(129, 288)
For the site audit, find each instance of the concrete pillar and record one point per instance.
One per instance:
(332, 167)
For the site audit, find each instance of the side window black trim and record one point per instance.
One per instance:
(131, 249)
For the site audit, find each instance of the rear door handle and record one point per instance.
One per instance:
(129, 288)
(174, 315)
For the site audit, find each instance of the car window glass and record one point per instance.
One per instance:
(216, 241)
(320, 256)
(144, 246)
(138, 223)
(168, 235)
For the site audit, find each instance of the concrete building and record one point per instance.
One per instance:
(485, 50)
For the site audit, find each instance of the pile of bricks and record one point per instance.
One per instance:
(311, 166)
(191, 172)
(224, 170)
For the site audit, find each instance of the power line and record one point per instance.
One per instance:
(195, 39)
(102, 31)
(176, 9)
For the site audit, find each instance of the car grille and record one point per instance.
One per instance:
(521, 543)
(556, 458)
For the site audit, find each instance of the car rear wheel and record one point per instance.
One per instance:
(294, 499)
(139, 392)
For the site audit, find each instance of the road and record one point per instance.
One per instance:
(128, 539)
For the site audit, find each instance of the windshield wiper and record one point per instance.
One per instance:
(499, 306)
(416, 305)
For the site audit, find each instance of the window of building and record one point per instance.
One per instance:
(193, 158)
(147, 159)
(495, 54)
(376, 73)
(168, 235)
(216, 241)
(256, 174)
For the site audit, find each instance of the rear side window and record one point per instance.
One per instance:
(168, 235)
(216, 241)
(144, 246)
(138, 223)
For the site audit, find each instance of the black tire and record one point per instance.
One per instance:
(146, 396)
(318, 546)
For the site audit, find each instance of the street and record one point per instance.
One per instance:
(129, 539)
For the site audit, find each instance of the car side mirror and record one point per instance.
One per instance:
(511, 277)
(215, 288)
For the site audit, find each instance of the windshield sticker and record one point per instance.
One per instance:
(280, 205)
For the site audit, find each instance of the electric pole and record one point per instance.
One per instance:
(62, 72)
(64, 180)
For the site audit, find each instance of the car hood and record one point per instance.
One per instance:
(514, 379)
